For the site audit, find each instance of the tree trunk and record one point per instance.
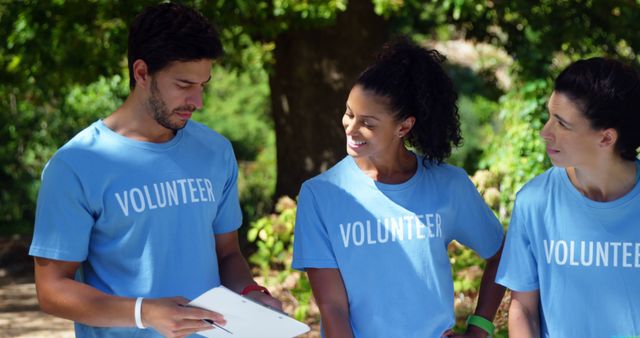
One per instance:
(314, 71)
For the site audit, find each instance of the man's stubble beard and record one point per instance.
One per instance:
(159, 110)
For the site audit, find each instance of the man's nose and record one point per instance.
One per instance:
(195, 99)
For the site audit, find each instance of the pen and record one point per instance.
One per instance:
(209, 321)
(212, 323)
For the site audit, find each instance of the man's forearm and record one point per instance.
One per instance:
(335, 322)
(84, 304)
(234, 272)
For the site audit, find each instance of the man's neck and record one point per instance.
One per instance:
(134, 120)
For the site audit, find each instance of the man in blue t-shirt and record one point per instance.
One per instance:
(139, 212)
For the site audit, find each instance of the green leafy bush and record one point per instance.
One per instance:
(237, 106)
(30, 135)
(273, 236)
(476, 114)
(516, 151)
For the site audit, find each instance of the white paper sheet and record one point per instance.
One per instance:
(245, 318)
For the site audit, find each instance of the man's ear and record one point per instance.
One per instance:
(609, 137)
(141, 73)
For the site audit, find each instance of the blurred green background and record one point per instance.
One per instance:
(279, 91)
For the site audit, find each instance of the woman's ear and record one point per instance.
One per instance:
(609, 137)
(406, 125)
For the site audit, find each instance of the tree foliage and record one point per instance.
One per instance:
(542, 37)
(57, 58)
(534, 33)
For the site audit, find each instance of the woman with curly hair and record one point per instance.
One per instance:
(574, 237)
(372, 232)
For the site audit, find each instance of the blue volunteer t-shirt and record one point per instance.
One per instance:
(141, 217)
(389, 242)
(583, 256)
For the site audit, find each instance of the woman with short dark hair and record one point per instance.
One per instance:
(574, 238)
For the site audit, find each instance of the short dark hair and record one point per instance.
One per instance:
(413, 80)
(607, 92)
(164, 33)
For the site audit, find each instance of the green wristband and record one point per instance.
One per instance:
(482, 323)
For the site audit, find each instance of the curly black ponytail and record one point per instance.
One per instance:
(413, 79)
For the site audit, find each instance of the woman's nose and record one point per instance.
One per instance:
(349, 127)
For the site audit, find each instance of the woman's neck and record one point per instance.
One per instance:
(394, 169)
(605, 181)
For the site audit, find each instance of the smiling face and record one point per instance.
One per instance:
(571, 141)
(176, 92)
(370, 126)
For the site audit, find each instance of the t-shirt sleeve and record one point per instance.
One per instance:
(311, 246)
(478, 228)
(229, 217)
(64, 219)
(517, 270)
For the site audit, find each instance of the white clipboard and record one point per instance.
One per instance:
(246, 318)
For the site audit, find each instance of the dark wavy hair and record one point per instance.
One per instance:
(164, 33)
(607, 92)
(413, 80)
